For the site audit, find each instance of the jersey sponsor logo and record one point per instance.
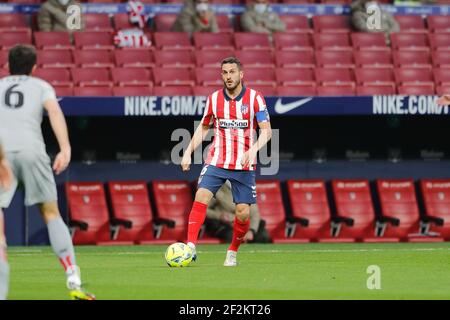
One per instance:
(283, 108)
(233, 123)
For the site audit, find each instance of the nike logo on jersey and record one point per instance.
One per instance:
(283, 108)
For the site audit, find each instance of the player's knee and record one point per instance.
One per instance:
(49, 211)
(203, 196)
(242, 213)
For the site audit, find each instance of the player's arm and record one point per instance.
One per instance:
(59, 127)
(5, 171)
(265, 134)
(444, 100)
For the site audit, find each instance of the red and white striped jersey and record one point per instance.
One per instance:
(235, 122)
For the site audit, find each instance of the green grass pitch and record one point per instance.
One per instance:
(288, 271)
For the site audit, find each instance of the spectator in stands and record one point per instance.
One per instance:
(220, 218)
(259, 18)
(444, 100)
(360, 15)
(196, 16)
(52, 16)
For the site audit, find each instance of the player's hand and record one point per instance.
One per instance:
(6, 176)
(186, 162)
(249, 236)
(62, 161)
(444, 100)
(248, 157)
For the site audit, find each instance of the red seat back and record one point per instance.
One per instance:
(173, 200)
(87, 203)
(271, 209)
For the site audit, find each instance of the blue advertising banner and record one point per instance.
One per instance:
(296, 9)
(175, 106)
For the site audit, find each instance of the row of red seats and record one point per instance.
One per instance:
(65, 58)
(212, 1)
(164, 22)
(238, 40)
(136, 219)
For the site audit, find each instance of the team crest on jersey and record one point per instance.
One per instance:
(244, 109)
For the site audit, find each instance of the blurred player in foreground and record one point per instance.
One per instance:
(23, 101)
(234, 112)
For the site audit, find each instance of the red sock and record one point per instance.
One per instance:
(196, 219)
(240, 228)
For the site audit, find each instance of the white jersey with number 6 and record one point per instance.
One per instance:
(21, 112)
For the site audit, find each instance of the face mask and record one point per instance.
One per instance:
(63, 2)
(201, 7)
(260, 7)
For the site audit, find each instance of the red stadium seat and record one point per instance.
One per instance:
(172, 41)
(134, 58)
(295, 91)
(441, 59)
(438, 23)
(54, 75)
(292, 41)
(93, 58)
(411, 23)
(9, 39)
(55, 58)
(63, 90)
(436, 199)
(138, 77)
(52, 40)
(355, 208)
(267, 90)
(251, 40)
(4, 73)
(375, 77)
(336, 90)
(122, 21)
(172, 76)
(13, 21)
(97, 22)
(130, 91)
(164, 22)
(414, 89)
(205, 91)
(412, 59)
(255, 58)
(334, 59)
(213, 41)
(132, 215)
(172, 90)
(296, 23)
(441, 76)
(224, 23)
(90, 76)
(271, 209)
(88, 213)
(399, 206)
(173, 202)
(294, 59)
(211, 58)
(208, 76)
(373, 59)
(332, 41)
(331, 23)
(295, 77)
(174, 58)
(339, 76)
(260, 76)
(93, 40)
(442, 89)
(409, 41)
(3, 58)
(415, 76)
(371, 90)
(375, 41)
(308, 201)
(93, 91)
(439, 41)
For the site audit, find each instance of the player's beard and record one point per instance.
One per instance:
(231, 89)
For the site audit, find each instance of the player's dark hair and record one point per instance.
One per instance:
(232, 60)
(21, 60)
